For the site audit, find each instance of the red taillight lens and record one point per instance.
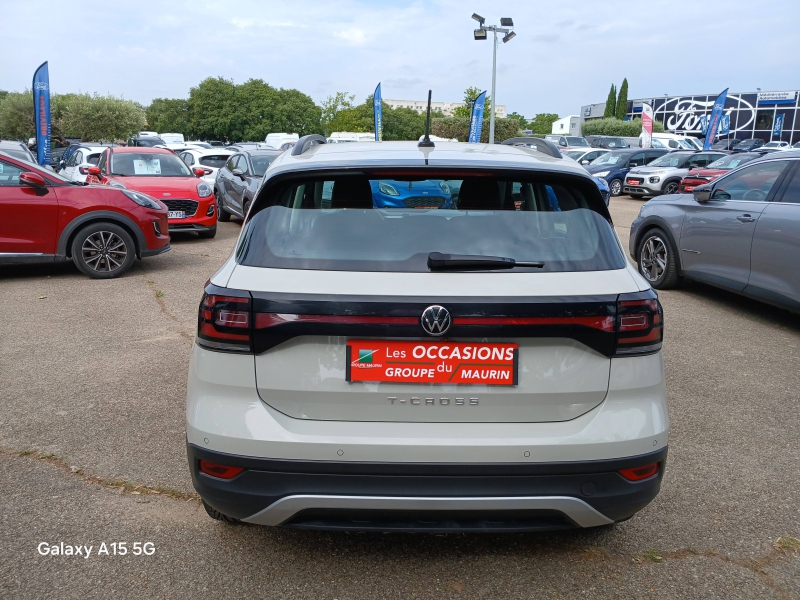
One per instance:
(224, 323)
(640, 473)
(84, 170)
(219, 471)
(640, 327)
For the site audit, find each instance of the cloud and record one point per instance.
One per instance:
(546, 37)
(567, 23)
(353, 36)
(404, 82)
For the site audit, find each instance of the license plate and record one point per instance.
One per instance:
(635, 181)
(440, 363)
(176, 214)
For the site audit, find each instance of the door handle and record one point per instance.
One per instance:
(745, 218)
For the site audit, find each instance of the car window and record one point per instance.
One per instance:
(93, 158)
(216, 161)
(148, 164)
(9, 174)
(731, 161)
(261, 162)
(792, 192)
(241, 164)
(637, 160)
(610, 159)
(73, 159)
(673, 159)
(363, 223)
(753, 182)
(231, 162)
(102, 162)
(187, 158)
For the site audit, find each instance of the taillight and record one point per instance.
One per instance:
(640, 326)
(219, 471)
(225, 320)
(640, 473)
(83, 170)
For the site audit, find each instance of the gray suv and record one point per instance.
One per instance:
(740, 232)
(663, 176)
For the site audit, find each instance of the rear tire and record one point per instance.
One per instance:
(103, 250)
(218, 516)
(222, 215)
(207, 235)
(246, 208)
(657, 260)
(615, 187)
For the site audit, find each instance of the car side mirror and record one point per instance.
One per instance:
(34, 180)
(199, 171)
(95, 171)
(238, 173)
(702, 193)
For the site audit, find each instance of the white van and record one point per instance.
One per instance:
(352, 136)
(172, 138)
(673, 141)
(276, 140)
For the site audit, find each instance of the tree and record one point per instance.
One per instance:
(543, 123)
(622, 101)
(611, 103)
(168, 115)
(16, 116)
(458, 127)
(614, 126)
(101, 118)
(331, 107)
(470, 94)
(212, 108)
(523, 124)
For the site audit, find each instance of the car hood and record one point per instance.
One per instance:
(158, 187)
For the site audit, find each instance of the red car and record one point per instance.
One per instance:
(714, 170)
(161, 174)
(45, 217)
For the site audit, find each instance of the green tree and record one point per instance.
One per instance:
(331, 107)
(16, 116)
(614, 126)
(470, 94)
(622, 100)
(295, 112)
(212, 108)
(523, 123)
(101, 118)
(611, 103)
(543, 123)
(168, 115)
(458, 127)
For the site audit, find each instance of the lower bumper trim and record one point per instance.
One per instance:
(156, 251)
(286, 508)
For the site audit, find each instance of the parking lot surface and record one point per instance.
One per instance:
(92, 389)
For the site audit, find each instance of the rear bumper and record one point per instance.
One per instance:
(426, 496)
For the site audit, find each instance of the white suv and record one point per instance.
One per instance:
(427, 339)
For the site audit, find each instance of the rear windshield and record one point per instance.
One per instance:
(216, 161)
(577, 141)
(361, 223)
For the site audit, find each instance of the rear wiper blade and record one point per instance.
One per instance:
(440, 262)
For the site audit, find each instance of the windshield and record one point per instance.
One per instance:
(148, 164)
(610, 159)
(673, 159)
(573, 154)
(773, 145)
(261, 162)
(730, 162)
(356, 223)
(577, 141)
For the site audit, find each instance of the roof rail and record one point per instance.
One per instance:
(543, 146)
(305, 142)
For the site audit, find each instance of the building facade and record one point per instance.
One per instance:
(446, 107)
(570, 125)
(765, 115)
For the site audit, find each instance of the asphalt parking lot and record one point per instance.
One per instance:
(92, 386)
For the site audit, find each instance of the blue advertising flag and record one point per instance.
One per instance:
(704, 124)
(715, 119)
(41, 113)
(777, 128)
(476, 121)
(376, 101)
(725, 125)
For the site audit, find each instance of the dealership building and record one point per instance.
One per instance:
(765, 115)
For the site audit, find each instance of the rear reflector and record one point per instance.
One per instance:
(219, 471)
(640, 473)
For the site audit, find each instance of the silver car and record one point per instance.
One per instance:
(740, 232)
(663, 175)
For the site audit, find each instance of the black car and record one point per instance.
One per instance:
(146, 141)
(748, 145)
(238, 181)
(725, 144)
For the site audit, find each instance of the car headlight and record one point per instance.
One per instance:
(117, 184)
(203, 189)
(387, 189)
(142, 199)
(444, 187)
(602, 173)
(655, 179)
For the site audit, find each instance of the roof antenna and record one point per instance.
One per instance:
(426, 141)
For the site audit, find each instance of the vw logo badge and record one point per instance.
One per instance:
(435, 320)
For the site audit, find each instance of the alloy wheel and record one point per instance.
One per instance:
(672, 188)
(653, 257)
(104, 251)
(616, 187)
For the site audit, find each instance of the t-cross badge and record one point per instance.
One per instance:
(490, 362)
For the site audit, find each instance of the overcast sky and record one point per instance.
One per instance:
(566, 53)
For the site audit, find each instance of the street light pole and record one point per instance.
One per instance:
(481, 34)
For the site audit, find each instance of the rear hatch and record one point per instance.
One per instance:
(349, 323)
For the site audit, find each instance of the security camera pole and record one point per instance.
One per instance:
(481, 34)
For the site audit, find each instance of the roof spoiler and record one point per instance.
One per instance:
(543, 146)
(305, 142)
